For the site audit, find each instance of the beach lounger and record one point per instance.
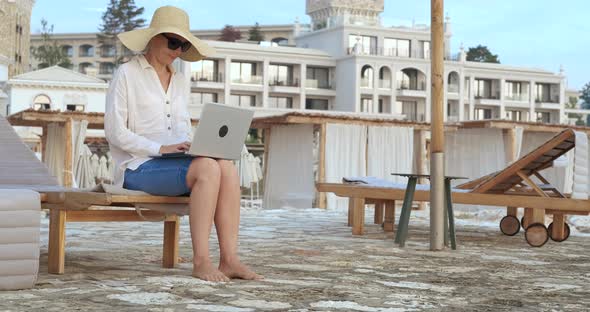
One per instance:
(20, 169)
(512, 187)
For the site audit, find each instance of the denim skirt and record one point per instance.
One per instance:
(160, 176)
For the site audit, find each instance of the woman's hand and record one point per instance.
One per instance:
(175, 148)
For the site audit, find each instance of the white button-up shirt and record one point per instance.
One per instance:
(141, 117)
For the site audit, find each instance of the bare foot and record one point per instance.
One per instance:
(206, 271)
(237, 270)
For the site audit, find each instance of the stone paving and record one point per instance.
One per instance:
(312, 263)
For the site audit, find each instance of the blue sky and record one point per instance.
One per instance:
(532, 33)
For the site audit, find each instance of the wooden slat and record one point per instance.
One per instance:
(115, 216)
(526, 160)
(532, 184)
(536, 202)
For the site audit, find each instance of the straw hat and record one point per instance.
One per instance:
(167, 19)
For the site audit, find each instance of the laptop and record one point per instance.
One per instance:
(220, 133)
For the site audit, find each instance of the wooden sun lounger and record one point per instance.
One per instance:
(74, 206)
(511, 187)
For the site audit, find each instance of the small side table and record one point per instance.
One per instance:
(404, 219)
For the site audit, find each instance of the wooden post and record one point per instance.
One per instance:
(389, 222)
(57, 241)
(322, 165)
(437, 128)
(171, 236)
(511, 155)
(44, 145)
(358, 216)
(68, 159)
(378, 217)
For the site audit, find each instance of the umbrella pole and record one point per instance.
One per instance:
(437, 128)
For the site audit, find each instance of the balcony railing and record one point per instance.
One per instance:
(403, 85)
(366, 83)
(317, 84)
(554, 99)
(517, 97)
(453, 88)
(284, 83)
(209, 77)
(384, 84)
(495, 96)
(257, 80)
(404, 53)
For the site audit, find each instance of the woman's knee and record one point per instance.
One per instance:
(227, 168)
(205, 169)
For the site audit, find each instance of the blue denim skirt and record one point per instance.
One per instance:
(160, 176)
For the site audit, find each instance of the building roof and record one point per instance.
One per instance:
(254, 47)
(58, 76)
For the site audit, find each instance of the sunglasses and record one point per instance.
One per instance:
(174, 43)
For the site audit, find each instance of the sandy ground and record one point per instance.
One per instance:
(312, 263)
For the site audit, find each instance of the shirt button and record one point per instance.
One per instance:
(169, 128)
(167, 102)
(168, 115)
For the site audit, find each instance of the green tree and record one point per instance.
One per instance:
(482, 54)
(585, 97)
(254, 34)
(49, 53)
(573, 104)
(230, 33)
(120, 16)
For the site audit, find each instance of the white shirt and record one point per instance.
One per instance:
(141, 117)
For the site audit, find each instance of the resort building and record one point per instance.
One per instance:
(346, 60)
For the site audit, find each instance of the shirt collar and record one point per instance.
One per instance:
(145, 64)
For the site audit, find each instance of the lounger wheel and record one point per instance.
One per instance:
(536, 234)
(509, 225)
(567, 232)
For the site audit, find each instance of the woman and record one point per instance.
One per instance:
(146, 114)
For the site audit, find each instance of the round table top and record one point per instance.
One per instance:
(412, 175)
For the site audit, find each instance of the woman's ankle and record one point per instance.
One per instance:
(198, 261)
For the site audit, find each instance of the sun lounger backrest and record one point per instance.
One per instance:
(540, 158)
(18, 164)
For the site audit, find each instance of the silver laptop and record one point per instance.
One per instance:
(220, 133)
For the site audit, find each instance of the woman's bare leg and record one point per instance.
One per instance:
(203, 178)
(227, 223)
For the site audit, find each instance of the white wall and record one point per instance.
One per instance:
(3, 73)
(328, 40)
(348, 82)
(21, 98)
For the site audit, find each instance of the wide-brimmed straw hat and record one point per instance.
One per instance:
(167, 19)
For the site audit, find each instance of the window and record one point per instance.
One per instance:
(366, 104)
(68, 50)
(544, 117)
(75, 107)
(513, 90)
(280, 75)
(203, 97)
(318, 77)
(410, 109)
(205, 70)
(107, 50)
(367, 76)
(42, 102)
(483, 113)
(514, 115)
(280, 102)
(319, 104)
(396, 47)
(106, 68)
(425, 49)
(242, 72)
(358, 44)
(86, 50)
(483, 89)
(242, 100)
(543, 92)
(82, 67)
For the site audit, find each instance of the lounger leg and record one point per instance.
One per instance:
(57, 241)
(389, 216)
(512, 211)
(350, 211)
(171, 236)
(379, 212)
(558, 228)
(451, 217)
(358, 220)
(404, 219)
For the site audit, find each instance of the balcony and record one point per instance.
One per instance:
(547, 102)
(384, 84)
(518, 97)
(488, 99)
(453, 88)
(366, 83)
(405, 88)
(317, 84)
(252, 80)
(207, 80)
(401, 53)
(284, 86)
